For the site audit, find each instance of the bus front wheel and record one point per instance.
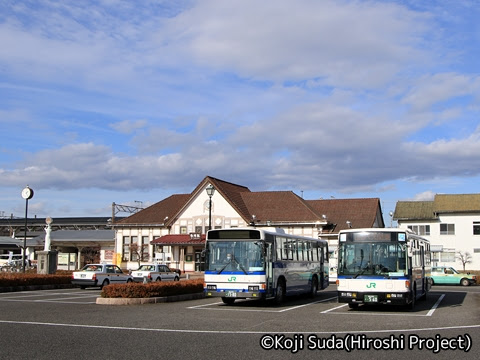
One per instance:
(314, 289)
(280, 293)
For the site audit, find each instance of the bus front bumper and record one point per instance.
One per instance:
(356, 297)
(234, 294)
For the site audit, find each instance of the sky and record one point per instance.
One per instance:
(129, 102)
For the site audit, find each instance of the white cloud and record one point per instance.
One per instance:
(424, 196)
(129, 126)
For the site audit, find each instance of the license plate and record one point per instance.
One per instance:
(370, 298)
(230, 293)
(83, 275)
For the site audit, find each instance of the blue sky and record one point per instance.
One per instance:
(132, 101)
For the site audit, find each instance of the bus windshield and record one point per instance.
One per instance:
(372, 258)
(234, 256)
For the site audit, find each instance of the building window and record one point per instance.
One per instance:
(447, 229)
(134, 252)
(447, 257)
(476, 228)
(420, 229)
(476, 250)
(126, 248)
(144, 252)
(183, 229)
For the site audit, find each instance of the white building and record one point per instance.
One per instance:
(450, 222)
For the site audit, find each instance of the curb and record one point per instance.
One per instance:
(153, 300)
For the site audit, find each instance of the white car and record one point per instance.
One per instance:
(100, 275)
(154, 272)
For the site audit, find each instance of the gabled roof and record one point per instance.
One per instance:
(442, 204)
(278, 206)
(161, 214)
(414, 210)
(229, 191)
(273, 206)
(456, 203)
(361, 212)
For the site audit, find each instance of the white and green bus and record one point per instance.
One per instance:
(253, 263)
(382, 266)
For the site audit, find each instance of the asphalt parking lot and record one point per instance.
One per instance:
(206, 327)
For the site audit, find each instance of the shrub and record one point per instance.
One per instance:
(155, 289)
(26, 279)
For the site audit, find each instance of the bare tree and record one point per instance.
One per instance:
(464, 257)
(138, 253)
(91, 254)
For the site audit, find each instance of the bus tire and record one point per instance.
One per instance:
(352, 305)
(314, 288)
(414, 299)
(280, 292)
(228, 300)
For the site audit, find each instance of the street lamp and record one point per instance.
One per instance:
(210, 191)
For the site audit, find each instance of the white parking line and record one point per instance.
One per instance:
(230, 308)
(430, 312)
(49, 297)
(29, 323)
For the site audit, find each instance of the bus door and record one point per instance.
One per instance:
(422, 260)
(269, 268)
(324, 267)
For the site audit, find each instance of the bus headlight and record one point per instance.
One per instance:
(253, 288)
(211, 287)
(349, 294)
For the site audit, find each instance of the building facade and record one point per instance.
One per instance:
(451, 223)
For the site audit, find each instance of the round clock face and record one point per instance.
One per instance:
(27, 193)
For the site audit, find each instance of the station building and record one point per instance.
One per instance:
(173, 230)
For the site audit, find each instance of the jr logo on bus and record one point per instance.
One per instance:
(233, 278)
(371, 285)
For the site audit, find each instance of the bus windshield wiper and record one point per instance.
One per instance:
(360, 273)
(240, 265)
(223, 268)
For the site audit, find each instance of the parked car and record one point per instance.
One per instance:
(154, 272)
(100, 275)
(448, 275)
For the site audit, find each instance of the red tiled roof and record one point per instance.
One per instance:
(279, 206)
(162, 212)
(362, 212)
(274, 206)
(183, 239)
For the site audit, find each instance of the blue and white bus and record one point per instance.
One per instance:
(252, 263)
(382, 266)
